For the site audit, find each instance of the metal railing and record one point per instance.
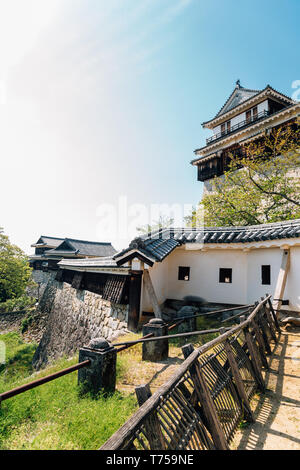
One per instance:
(203, 403)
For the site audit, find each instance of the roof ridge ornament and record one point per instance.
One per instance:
(238, 83)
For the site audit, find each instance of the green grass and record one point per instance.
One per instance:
(202, 323)
(54, 416)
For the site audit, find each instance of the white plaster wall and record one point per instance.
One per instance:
(204, 275)
(257, 258)
(246, 286)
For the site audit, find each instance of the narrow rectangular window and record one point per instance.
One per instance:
(222, 129)
(225, 275)
(228, 126)
(248, 116)
(254, 113)
(266, 274)
(184, 273)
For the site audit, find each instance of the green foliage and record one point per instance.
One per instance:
(202, 323)
(14, 305)
(54, 416)
(26, 322)
(14, 270)
(261, 187)
(18, 357)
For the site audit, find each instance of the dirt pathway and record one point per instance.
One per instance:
(277, 413)
(155, 374)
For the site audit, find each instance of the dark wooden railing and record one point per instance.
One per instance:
(123, 346)
(203, 403)
(36, 383)
(239, 125)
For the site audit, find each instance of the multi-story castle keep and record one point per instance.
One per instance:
(246, 116)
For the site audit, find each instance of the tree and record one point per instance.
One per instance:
(162, 222)
(14, 270)
(262, 186)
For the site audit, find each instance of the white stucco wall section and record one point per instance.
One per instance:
(246, 286)
(204, 275)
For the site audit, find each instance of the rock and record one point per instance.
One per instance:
(99, 343)
(291, 321)
(187, 311)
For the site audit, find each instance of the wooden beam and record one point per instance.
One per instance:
(238, 381)
(134, 300)
(281, 280)
(152, 295)
(206, 401)
(152, 425)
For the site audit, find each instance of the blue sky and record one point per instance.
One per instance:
(106, 99)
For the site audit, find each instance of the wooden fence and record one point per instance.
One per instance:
(203, 403)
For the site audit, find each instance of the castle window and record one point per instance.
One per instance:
(225, 275)
(254, 112)
(266, 274)
(228, 126)
(248, 115)
(184, 273)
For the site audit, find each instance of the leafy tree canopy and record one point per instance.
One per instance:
(261, 187)
(14, 270)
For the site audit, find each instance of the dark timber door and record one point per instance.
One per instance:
(134, 299)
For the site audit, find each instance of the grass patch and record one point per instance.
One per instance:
(18, 357)
(54, 416)
(202, 323)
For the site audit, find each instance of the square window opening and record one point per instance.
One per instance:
(225, 275)
(184, 273)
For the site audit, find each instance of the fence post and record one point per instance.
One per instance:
(254, 358)
(274, 316)
(101, 374)
(261, 344)
(152, 425)
(266, 330)
(155, 351)
(238, 380)
(206, 402)
(270, 322)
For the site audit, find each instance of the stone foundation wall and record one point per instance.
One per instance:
(74, 318)
(41, 278)
(11, 321)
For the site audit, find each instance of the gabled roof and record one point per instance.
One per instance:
(238, 96)
(158, 245)
(50, 241)
(70, 246)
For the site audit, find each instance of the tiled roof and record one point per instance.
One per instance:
(83, 247)
(160, 244)
(52, 241)
(241, 95)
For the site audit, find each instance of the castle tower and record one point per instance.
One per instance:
(246, 116)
